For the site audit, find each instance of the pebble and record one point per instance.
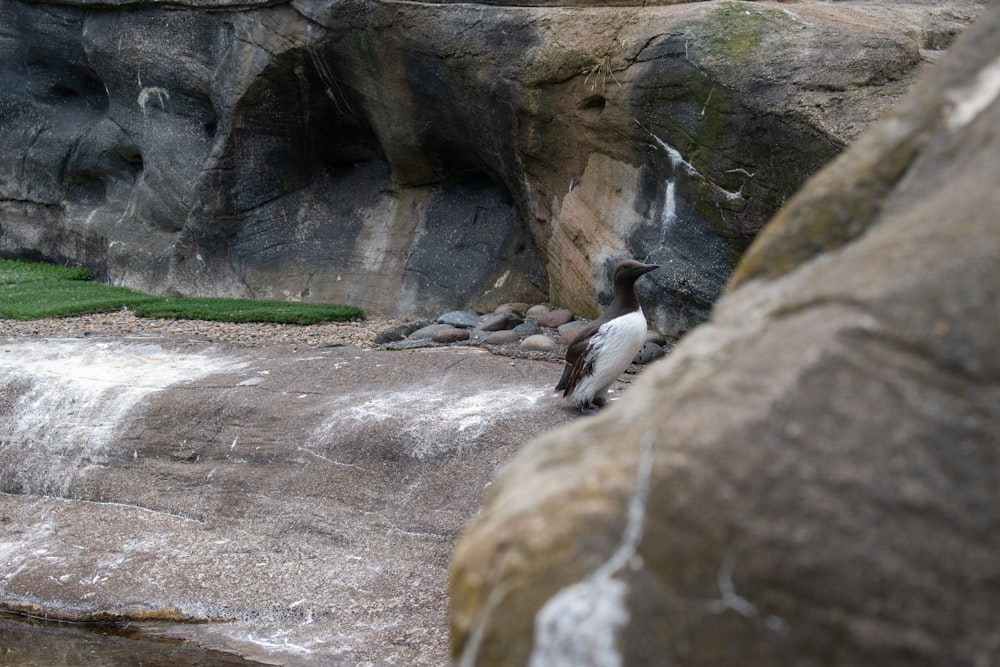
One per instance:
(462, 319)
(519, 338)
(428, 331)
(537, 311)
(528, 328)
(503, 337)
(450, 335)
(540, 343)
(570, 331)
(656, 337)
(555, 318)
(500, 322)
(650, 351)
(519, 308)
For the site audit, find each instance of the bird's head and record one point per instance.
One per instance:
(629, 270)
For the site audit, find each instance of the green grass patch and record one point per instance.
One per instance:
(33, 291)
(39, 299)
(13, 272)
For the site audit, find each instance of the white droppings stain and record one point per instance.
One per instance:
(153, 93)
(578, 626)
(434, 419)
(669, 216)
(730, 600)
(678, 163)
(969, 101)
(16, 552)
(79, 394)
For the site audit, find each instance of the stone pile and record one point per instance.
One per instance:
(515, 329)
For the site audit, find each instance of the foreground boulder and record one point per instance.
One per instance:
(411, 158)
(812, 477)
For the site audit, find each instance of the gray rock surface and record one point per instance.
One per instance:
(810, 478)
(302, 500)
(412, 158)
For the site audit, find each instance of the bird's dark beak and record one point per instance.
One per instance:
(649, 267)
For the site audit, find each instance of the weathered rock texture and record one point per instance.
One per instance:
(298, 505)
(813, 476)
(411, 158)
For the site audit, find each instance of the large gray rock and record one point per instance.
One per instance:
(812, 477)
(414, 158)
(302, 502)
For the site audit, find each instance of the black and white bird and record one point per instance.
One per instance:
(606, 347)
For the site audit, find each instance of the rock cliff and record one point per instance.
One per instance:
(411, 157)
(811, 477)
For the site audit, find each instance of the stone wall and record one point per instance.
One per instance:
(411, 158)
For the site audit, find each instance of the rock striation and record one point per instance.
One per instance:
(809, 478)
(414, 158)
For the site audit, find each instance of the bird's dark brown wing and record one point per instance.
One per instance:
(577, 364)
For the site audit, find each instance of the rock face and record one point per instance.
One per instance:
(811, 477)
(299, 505)
(411, 158)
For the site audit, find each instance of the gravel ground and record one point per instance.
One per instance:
(126, 324)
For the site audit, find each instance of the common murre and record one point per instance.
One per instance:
(606, 347)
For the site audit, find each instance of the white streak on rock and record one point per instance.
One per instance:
(452, 420)
(969, 101)
(153, 93)
(578, 626)
(78, 396)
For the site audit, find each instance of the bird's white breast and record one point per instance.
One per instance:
(611, 350)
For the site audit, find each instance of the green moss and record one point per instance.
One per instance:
(738, 29)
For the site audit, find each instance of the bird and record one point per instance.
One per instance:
(606, 346)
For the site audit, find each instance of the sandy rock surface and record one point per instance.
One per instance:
(284, 493)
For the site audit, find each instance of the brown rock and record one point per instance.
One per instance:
(555, 318)
(809, 478)
(539, 343)
(503, 337)
(569, 332)
(452, 335)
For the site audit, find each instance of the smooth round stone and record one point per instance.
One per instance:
(389, 335)
(478, 335)
(653, 336)
(537, 311)
(539, 343)
(462, 319)
(452, 335)
(649, 352)
(500, 322)
(570, 331)
(503, 337)
(555, 318)
(427, 332)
